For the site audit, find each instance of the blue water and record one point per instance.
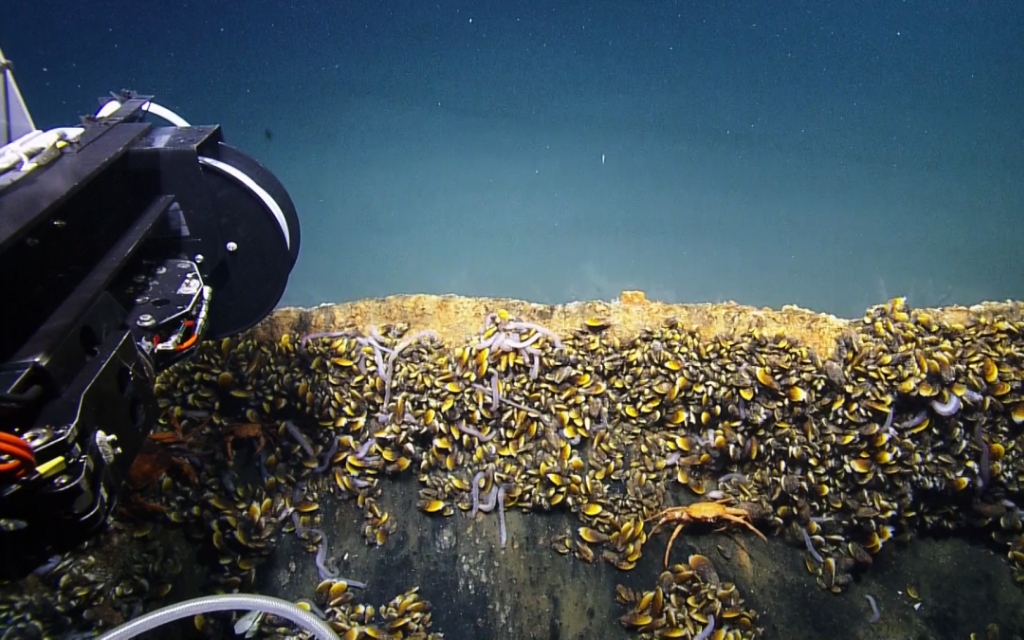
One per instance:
(829, 154)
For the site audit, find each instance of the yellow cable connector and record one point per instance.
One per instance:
(52, 467)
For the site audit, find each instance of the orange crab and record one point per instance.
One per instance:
(247, 431)
(164, 450)
(153, 460)
(177, 434)
(701, 512)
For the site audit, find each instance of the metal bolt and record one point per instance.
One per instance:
(37, 437)
(232, 247)
(105, 445)
(199, 258)
(146, 320)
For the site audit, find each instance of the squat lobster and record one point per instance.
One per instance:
(701, 512)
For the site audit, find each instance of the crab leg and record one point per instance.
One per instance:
(672, 539)
(745, 524)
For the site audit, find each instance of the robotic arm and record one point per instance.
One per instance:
(122, 245)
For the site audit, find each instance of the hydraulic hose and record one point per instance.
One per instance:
(225, 602)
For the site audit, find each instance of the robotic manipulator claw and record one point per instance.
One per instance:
(134, 236)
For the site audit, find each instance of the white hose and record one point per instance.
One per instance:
(149, 107)
(225, 602)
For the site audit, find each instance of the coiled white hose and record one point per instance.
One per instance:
(225, 602)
